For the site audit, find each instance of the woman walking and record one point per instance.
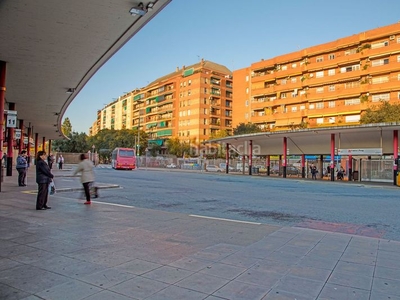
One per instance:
(43, 179)
(85, 167)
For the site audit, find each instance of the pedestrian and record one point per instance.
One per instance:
(314, 172)
(22, 165)
(43, 179)
(85, 167)
(60, 162)
(50, 160)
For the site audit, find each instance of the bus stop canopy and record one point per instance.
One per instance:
(53, 47)
(315, 141)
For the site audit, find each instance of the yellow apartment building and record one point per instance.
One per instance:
(192, 103)
(325, 85)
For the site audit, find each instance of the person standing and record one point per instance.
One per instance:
(60, 162)
(22, 165)
(43, 179)
(85, 167)
(313, 172)
(50, 161)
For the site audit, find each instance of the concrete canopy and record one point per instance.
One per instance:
(50, 46)
(316, 141)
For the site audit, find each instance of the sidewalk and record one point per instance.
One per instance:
(106, 251)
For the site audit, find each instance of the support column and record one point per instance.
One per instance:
(268, 164)
(284, 157)
(227, 159)
(2, 101)
(396, 155)
(28, 145)
(21, 140)
(303, 166)
(332, 162)
(251, 157)
(43, 144)
(50, 148)
(350, 175)
(36, 145)
(10, 144)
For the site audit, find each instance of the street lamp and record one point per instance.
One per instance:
(138, 134)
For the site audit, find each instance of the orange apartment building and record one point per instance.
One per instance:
(326, 85)
(192, 103)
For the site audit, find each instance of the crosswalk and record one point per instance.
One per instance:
(103, 166)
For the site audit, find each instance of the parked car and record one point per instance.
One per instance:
(171, 166)
(222, 166)
(290, 170)
(213, 168)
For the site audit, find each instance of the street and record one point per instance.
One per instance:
(332, 206)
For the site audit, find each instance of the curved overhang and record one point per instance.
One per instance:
(53, 47)
(315, 141)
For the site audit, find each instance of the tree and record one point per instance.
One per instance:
(178, 148)
(66, 127)
(385, 112)
(220, 134)
(243, 128)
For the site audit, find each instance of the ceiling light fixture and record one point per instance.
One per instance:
(138, 10)
(150, 6)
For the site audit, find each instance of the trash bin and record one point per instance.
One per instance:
(355, 175)
(1, 173)
(255, 170)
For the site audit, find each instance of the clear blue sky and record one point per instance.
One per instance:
(228, 32)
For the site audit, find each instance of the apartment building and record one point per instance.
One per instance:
(193, 103)
(325, 85)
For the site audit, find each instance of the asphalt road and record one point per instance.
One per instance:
(334, 206)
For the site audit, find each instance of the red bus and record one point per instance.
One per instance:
(123, 158)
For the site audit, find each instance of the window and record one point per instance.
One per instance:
(311, 106)
(320, 59)
(331, 72)
(380, 62)
(247, 90)
(350, 51)
(294, 108)
(380, 97)
(350, 68)
(331, 104)
(247, 78)
(302, 107)
(246, 115)
(319, 90)
(188, 112)
(332, 120)
(319, 74)
(398, 95)
(351, 84)
(283, 81)
(331, 88)
(380, 45)
(283, 95)
(247, 103)
(190, 82)
(354, 101)
(284, 68)
(205, 111)
(320, 120)
(189, 92)
(355, 118)
(331, 56)
(398, 58)
(293, 79)
(381, 79)
(294, 66)
(398, 76)
(320, 105)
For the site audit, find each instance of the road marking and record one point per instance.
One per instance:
(228, 220)
(113, 204)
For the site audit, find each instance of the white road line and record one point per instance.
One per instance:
(228, 220)
(113, 204)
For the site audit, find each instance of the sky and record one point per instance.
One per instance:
(228, 32)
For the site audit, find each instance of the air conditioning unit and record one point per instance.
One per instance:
(392, 37)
